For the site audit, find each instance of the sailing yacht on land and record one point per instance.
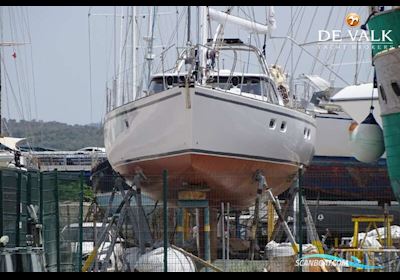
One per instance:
(212, 127)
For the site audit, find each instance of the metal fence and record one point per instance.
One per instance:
(207, 231)
(173, 223)
(59, 200)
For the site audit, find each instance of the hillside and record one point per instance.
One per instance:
(56, 135)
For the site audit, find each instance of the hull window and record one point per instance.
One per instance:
(383, 94)
(272, 124)
(283, 126)
(396, 88)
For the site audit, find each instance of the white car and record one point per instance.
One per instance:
(71, 234)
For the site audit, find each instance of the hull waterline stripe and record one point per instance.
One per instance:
(255, 107)
(144, 105)
(198, 151)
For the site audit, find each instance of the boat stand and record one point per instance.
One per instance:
(123, 214)
(195, 199)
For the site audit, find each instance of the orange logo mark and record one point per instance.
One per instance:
(353, 19)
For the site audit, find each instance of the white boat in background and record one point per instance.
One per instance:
(212, 127)
(355, 100)
(333, 136)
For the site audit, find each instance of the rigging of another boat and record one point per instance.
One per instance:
(218, 117)
(10, 153)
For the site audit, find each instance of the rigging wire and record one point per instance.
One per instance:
(343, 55)
(337, 50)
(32, 66)
(22, 66)
(306, 38)
(25, 61)
(319, 50)
(329, 53)
(290, 54)
(90, 67)
(12, 35)
(17, 104)
(296, 13)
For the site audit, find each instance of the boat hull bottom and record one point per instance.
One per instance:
(224, 179)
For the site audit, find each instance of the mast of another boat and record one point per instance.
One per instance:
(204, 37)
(134, 53)
(3, 44)
(121, 29)
(150, 37)
(1, 38)
(1, 93)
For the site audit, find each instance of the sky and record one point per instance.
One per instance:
(49, 79)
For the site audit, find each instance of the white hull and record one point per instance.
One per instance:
(333, 139)
(210, 126)
(333, 135)
(356, 102)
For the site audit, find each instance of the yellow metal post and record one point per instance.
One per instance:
(355, 235)
(186, 224)
(89, 260)
(271, 220)
(336, 242)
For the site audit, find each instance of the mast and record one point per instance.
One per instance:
(204, 37)
(1, 93)
(198, 25)
(1, 117)
(114, 90)
(188, 29)
(118, 75)
(150, 38)
(134, 52)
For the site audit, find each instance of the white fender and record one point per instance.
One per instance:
(367, 141)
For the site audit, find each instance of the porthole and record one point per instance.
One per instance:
(170, 81)
(283, 126)
(272, 123)
(383, 94)
(235, 81)
(396, 88)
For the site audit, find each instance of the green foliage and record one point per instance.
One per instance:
(70, 191)
(56, 135)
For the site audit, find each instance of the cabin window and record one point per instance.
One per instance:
(383, 94)
(283, 126)
(156, 86)
(305, 132)
(157, 83)
(309, 134)
(272, 124)
(396, 88)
